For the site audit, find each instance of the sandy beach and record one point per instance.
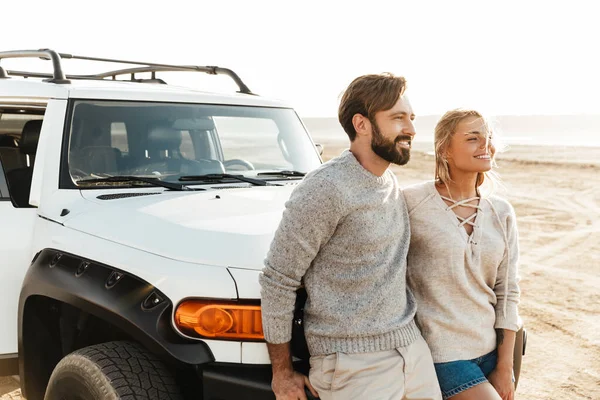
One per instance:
(556, 195)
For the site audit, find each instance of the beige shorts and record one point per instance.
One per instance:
(403, 373)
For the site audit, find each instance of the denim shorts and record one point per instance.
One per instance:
(457, 376)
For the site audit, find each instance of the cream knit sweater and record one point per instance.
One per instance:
(465, 285)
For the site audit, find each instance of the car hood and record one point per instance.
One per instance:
(232, 227)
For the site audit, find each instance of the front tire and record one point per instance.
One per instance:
(111, 371)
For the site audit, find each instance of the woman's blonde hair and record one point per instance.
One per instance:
(444, 130)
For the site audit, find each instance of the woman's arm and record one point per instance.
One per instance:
(506, 347)
(502, 376)
(506, 287)
(507, 315)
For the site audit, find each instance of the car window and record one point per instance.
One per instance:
(118, 137)
(165, 140)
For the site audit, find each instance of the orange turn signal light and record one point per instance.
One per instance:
(219, 320)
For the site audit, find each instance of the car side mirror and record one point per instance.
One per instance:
(320, 148)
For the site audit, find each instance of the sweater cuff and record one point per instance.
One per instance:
(511, 321)
(277, 331)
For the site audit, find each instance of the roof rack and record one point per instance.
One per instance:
(59, 77)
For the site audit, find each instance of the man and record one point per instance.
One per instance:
(345, 234)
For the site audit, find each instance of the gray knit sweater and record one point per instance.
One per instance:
(345, 234)
(465, 285)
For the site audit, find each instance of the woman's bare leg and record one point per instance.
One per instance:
(483, 391)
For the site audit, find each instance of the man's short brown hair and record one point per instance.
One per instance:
(367, 95)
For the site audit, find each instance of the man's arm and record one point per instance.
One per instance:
(287, 383)
(281, 358)
(309, 220)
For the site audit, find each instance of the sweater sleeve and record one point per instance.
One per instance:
(309, 220)
(507, 282)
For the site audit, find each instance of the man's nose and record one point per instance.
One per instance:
(410, 129)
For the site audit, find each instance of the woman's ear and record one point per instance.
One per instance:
(492, 150)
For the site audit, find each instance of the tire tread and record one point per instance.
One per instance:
(133, 372)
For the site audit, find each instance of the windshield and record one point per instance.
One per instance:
(169, 141)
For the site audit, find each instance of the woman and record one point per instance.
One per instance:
(462, 264)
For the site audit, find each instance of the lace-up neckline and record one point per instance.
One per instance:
(464, 203)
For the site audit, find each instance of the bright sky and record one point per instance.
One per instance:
(502, 57)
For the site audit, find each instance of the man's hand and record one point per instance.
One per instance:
(290, 386)
(501, 379)
(287, 384)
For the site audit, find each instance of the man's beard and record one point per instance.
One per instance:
(388, 149)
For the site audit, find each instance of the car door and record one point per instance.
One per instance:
(16, 227)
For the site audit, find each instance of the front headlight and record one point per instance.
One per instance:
(219, 320)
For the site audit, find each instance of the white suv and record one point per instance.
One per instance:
(134, 220)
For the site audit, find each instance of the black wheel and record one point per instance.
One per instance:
(111, 371)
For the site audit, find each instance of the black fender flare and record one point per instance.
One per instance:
(115, 296)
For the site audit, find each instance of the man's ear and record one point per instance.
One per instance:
(362, 125)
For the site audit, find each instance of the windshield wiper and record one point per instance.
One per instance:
(127, 178)
(219, 177)
(283, 173)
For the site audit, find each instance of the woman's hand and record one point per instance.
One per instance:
(501, 379)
